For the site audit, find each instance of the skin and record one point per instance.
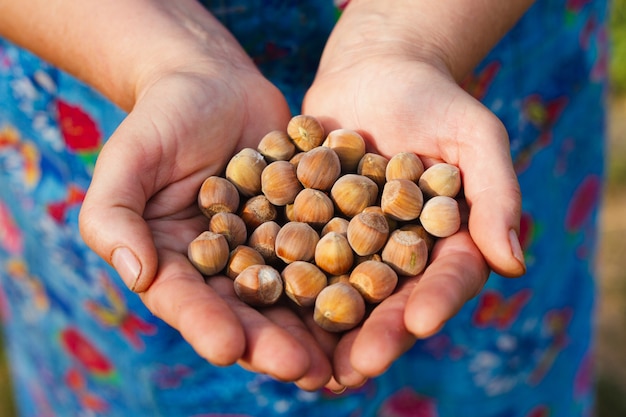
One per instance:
(389, 71)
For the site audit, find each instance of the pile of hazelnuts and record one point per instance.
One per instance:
(318, 219)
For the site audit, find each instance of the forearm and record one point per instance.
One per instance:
(115, 45)
(453, 33)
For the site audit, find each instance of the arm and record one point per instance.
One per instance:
(390, 70)
(193, 97)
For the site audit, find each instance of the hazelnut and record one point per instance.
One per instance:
(257, 210)
(296, 241)
(313, 207)
(259, 285)
(305, 131)
(401, 199)
(240, 258)
(336, 224)
(295, 160)
(208, 252)
(405, 252)
(345, 278)
(373, 166)
(231, 226)
(217, 195)
(279, 183)
(440, 216)
(374, 280)
(339, 307)
(276, 145)
(348, 145)
(392, 223)
(421, 232)
(319, 168)
(367, 233)
(303, 281)
(404, 165)
(352, 193)
(441, 179)
(263, 240)
(244, 171)
(333, 254)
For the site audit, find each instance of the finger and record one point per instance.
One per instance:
(344, 371)
(383, 337)
(111, 221)
(181, 298)
(269, 348)
(319, 372)
(493, 194)
(456, 274)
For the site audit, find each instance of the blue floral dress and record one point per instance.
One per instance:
(81, 344)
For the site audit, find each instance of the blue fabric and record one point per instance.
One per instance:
(81, 344)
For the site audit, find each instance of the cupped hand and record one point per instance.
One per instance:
(141, 212)
(400, 103)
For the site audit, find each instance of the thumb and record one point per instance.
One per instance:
(493, 194)
(111, 218)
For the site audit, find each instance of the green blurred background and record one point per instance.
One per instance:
(611, 318)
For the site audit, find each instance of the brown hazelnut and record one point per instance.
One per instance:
(240, 258)
(319, 168)
(352, 193)
(231, 226)
(217, 195)
(257, 210)
(348, 145)
(367, 233)
(404, 165)
(259, 285)
(373, 166)
(339, 307)
(333, 254)
(303, 281)
(313, 207)
(208, 253)
(276, 145)
(336, 224)
(401, 199)
(244, 171)
(263, 240)
(374, 280)
(279, 183)
(305, 131)
(441, 179)
(441, 216)
(296, 241)
(405, 252)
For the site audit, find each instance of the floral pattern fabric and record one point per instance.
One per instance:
(81, 344)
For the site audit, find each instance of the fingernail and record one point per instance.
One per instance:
(127, 266)
(516, 248)
(339, 391)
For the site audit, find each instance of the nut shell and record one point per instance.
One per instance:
(217, 195)
(402, 200)
(276, 145)
(406, 252)
(279, 183)
(263, 240)
(339, 307)
(352, 193)
(441, 216)
(349, 147)
(313, 207)
(240, 258)
(305, 131)
(303, 281)
(244, 171)
(333, 254)
(208, 252)
(296, 241)
(231, 226)
(373, 166)
(319, 168)
(374, 280)
(367, 233)
(404, 165)
(259, 285)
(256, 211)
(441, 179)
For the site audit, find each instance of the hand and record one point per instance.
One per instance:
(141, 212)
(401, 103)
